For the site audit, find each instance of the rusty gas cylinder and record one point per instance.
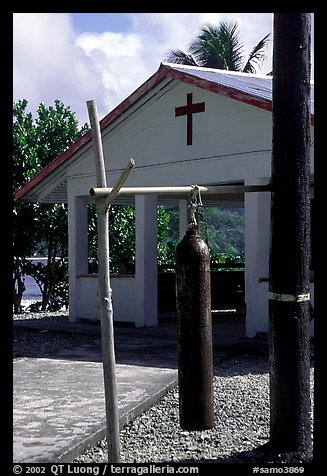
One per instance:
(194, 332)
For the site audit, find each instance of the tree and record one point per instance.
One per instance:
(223, 230)
(39, 227)
(220, 47)
(25, 165)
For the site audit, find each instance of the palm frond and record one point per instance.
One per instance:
(234, 47)
(257, 55)
(207, 49)
(180, 57)
(218, 47)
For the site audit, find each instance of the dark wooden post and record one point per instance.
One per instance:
(290, 427)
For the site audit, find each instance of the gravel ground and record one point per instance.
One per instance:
(46, 316)
(31, 343)
(241, 394)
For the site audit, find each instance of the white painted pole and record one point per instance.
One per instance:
(105, 302)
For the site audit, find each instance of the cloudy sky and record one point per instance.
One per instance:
(75, 57)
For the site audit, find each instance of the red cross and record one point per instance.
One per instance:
(188, 111)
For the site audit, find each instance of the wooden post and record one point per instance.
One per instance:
(105, 302)
(289, 286)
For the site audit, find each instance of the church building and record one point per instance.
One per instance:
(184, 126)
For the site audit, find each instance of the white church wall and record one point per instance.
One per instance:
(77, 249)
(231, 143)
(87, 306)
(257, 225)
(146, 265)
(228, 137)
(124, 292)
(155, 136)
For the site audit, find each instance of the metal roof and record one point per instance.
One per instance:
(245, 87)
(251, 85)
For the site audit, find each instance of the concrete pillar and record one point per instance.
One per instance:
(183, 217)
(146, 264)
(256, 235)
(77, 250)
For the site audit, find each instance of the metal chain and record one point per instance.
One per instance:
(206, 229)
(194, 203)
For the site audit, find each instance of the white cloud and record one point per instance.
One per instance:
(115, 57)
(48, 65)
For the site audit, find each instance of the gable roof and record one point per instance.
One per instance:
(252, 89)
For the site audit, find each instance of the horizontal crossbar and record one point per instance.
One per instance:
(183, 190)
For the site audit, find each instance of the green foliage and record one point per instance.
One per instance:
(56, 128)
(223, 230)
(166, 242)
(122, 238)
(25, 166)
(52, 279)
(232, 262)
(26, 163)
(36, 142)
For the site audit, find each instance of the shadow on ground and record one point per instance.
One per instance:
(259, 455)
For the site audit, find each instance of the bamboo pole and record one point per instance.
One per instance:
(182, 190)
(114, 191)
(105, 302)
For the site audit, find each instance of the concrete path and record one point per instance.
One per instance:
(59, 398)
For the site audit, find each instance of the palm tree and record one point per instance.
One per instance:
(220, 47)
